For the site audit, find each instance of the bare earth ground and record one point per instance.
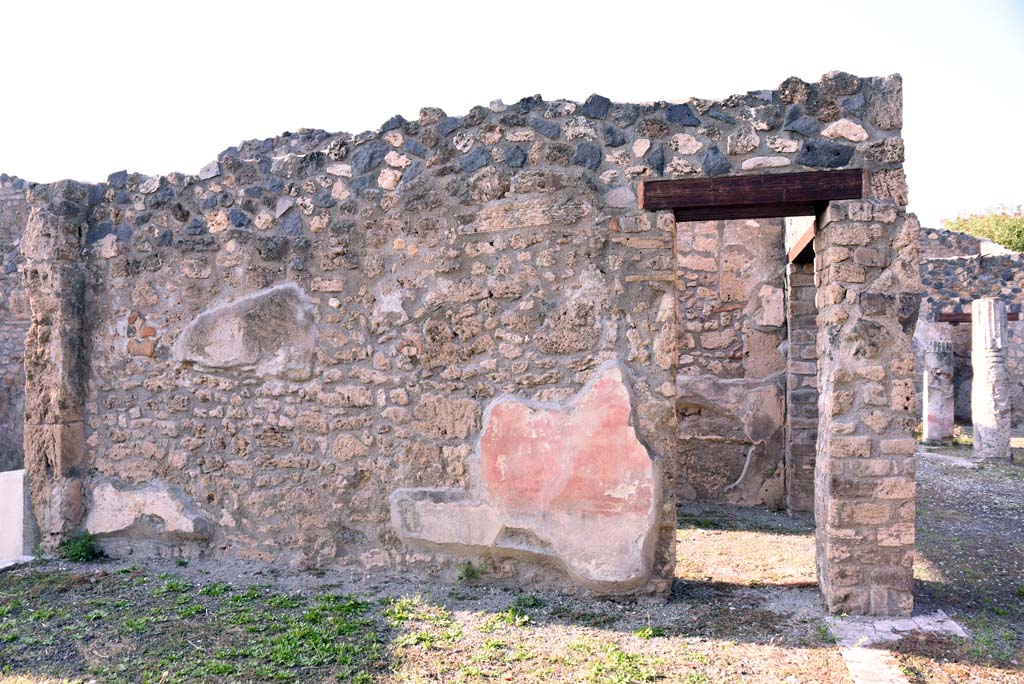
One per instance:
(744, 609)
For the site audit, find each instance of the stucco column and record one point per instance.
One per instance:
(866, 264)
(938, 392)
(54, 378)
(990, 386)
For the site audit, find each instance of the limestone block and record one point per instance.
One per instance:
(152, 510)
(270, 333)
(568, 483)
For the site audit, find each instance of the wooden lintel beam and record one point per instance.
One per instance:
(752, 211)
(802, 250)
(965, 317)
(733, 195)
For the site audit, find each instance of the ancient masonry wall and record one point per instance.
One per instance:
(300, 353)
(801, 387)
(950, 284)
(14, 318)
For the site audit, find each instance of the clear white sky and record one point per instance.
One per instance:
(87, 88)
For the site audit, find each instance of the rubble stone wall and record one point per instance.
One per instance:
(950, 284)
(14, 317)
(323, 349)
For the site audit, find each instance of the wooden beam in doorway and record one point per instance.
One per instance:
(965, 317)
(762, 196)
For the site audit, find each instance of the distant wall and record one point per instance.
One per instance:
(14, 319)
(951, 283)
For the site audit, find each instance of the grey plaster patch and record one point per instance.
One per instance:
(866, 631)
(269, 333)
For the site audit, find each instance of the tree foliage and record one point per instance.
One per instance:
(1004, 226)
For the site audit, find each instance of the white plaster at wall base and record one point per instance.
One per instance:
(12, 516)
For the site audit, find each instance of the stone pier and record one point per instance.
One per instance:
(938, 391)
(990, 388)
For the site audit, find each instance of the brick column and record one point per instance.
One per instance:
(801, 387)
(54, 366)
(938, 390)
(869, 292)
(990, 386)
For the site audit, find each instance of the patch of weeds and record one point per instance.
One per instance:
(469, 572)
(401, 610)
(138, 625)
(42, 614)
(190, 610)
(511, 616)
(79, 549)
(695, 678)
(282, 601)
(424, 639)
(129, 570)
(583, 617)
(11, 607)
(180, 562)
(96, 615)
(245, 598)
(1020, 591)
(529, 601)
(649, 632)
(618, 667)
(215, 589)
(823, 634)
(173, 585)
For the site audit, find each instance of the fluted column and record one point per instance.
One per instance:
(990, 386)
(938, 392)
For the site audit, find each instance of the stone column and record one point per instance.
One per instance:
(938, 392)
(990, 386)
(54, 357)
(866, 262)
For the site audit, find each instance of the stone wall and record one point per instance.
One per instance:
(14, 316)
(951, 283)
(730, 385)
(801, 387)
(329, 349)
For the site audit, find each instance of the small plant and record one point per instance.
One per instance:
(469, 572)
(649, 632)
(824, 634)
(181, 562)
(1020, 591)
(215, 589)
(79, 549)
(528, 601)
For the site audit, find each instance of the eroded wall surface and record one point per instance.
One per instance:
(730, 387)
(955, 274)
(14, 318)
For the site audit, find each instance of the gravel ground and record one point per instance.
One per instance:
(744, 608)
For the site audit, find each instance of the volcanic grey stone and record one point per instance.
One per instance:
(368, 157)
(549, 129)
(613, 137)
(682, 115)
(824, 153)
(477, 158)
(515, 156)
(587, 155)
(596, 107)
(714, 162)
